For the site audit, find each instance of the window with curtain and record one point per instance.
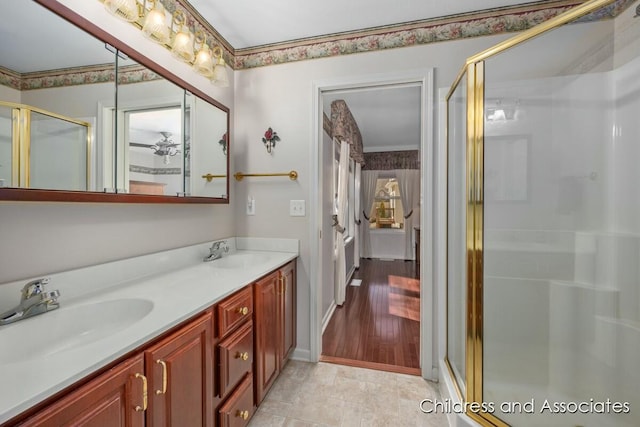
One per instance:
(386, 209)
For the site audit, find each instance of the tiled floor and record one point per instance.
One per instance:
(323, 394)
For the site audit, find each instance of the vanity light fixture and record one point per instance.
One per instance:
(182, 46)
(155, 25)
(151, 17)
(203, 63)
(220, 77)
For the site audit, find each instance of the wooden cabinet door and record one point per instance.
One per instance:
(180, 374)
(266, 326)
(108, 400)
(287, 311)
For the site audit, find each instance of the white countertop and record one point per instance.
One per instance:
(174, 295)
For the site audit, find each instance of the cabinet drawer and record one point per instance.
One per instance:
(238, 409)
(234, 310)
(235, 357)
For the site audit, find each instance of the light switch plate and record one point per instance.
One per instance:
(297, 208)
(251, 206)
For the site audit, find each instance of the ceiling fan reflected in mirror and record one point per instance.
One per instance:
(165, 147)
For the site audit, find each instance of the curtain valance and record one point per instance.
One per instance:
(345, 128)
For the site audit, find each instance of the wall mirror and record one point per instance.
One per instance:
(85, 118)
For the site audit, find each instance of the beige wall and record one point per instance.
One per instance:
(280, 96)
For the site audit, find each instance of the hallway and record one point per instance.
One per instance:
(379, 322)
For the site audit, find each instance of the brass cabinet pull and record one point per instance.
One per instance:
(243, 310)
(164, 376)
(242, 414)
(144, 394)
(242, 355)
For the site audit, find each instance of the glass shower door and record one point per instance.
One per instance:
(58, 154)
(553, 283)
(456, 235)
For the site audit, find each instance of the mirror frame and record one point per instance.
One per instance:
(29, 194)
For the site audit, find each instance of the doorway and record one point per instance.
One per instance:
(403, 274)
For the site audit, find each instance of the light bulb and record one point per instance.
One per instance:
(124, 9)
(183, 45)
(155, 25)
(203, 63)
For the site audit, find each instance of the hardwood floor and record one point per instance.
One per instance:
(379, 322)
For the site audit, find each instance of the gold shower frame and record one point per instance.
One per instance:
(473, 71)
(21, 142)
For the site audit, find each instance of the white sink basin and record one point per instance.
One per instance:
(240, 260)
(68, 328)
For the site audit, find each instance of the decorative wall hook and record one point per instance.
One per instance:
(269, 139)
(223, 143)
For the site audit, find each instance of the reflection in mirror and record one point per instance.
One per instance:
(48, 100)
(207, 161)
(66, 125)
(58, 152)
(6, 144)
(150, 143)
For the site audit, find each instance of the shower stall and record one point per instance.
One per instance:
(42, 149)
(543, 224)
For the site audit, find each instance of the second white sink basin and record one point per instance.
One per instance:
(67, 328)
(239, 260)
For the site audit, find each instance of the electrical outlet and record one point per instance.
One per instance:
(297, 208)
(251, 206)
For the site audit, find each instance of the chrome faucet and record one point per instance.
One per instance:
(216, 250)
(34, 300)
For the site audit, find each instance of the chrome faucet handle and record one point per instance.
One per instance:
(219, 245)
(34, 287)
(52, 297)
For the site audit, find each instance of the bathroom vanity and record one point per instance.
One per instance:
(198, 345)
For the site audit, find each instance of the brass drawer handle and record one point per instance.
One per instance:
(243, 310)
(144, 394)
(243, 356)
(164, 377)
(242, 414)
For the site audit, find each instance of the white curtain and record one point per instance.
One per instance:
(409, 184)
(368, 183)
(340, 280)
(356, 212)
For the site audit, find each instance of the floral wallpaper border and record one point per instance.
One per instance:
(76, 76)
(487, 22)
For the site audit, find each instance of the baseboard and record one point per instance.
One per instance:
(371, 365)
(350, 274)
(328, 314)
(301, 355)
